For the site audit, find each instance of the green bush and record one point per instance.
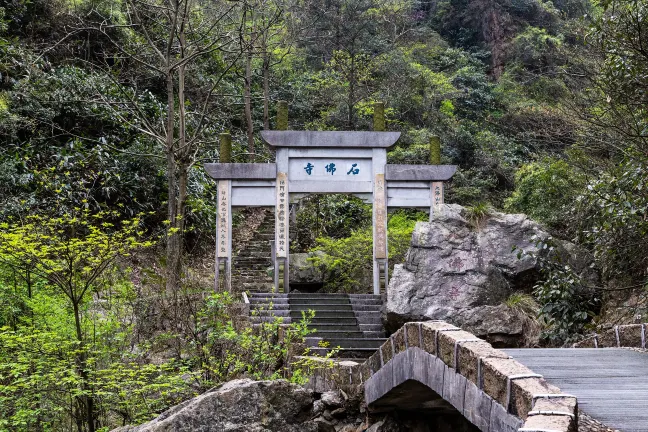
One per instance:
(567, 304)
(349, 261)
(546, 190)
(335, 216)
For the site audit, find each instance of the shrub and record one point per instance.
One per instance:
(546, 190)
(349, 260)
(567, 304)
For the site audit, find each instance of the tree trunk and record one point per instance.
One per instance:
(85, 401)
(266, 87)
(248, 104)
(351, 99)
(173, 235)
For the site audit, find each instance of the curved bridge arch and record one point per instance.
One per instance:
(437, 365)
(416, 379)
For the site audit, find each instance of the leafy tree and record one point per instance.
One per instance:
(546, 191)
(164, 42)
(71, 253)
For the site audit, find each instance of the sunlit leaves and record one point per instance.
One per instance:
(71, 251)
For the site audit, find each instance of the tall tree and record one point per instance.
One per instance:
(165, 41)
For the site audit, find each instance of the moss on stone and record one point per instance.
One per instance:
(435, 150)
(225, 148)
(282, 115)
(379, 117)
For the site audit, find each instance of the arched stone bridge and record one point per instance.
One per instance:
(435, 365)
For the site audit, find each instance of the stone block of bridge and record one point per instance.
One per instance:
(495, 376)
(470, 359)
(429, 334)
(454, 388)
(522, 392)
(502, 421)
(436, 374)
(628, 336)
(477, 406)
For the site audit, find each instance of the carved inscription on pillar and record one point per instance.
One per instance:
(224, 208)
(282, 216)
(380, 217)
(437, 194)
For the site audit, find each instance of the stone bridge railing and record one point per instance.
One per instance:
(621, 336)
(493, 391)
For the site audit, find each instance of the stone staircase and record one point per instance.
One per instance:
(349, 321)
(252, 260)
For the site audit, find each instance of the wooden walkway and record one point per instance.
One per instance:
(611, 384)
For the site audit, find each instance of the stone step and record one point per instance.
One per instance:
(250, 265)
(248, 279)
(260, 299)
(270, 319)
(271, 294)
(266, 313)
(367, 301)
(322, 307)
(317, 321)
(251, 287)
(336, 307)
(335, 327)
(346, 353)
(337, 334)
(318, 300)
(278, 305)
(354, 342)
(250, 259)
(326, 314)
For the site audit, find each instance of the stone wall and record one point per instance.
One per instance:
(621, 336)
(487, 386)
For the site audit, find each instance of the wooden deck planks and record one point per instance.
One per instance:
(611, 384)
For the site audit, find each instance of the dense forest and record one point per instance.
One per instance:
(110, 108)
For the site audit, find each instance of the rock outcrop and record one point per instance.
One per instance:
(278, 406)
(462, 271)
(240, 405)
(303, 270)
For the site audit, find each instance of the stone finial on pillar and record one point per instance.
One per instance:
(435, 150)
(282, 115)
(379, 117)
(225, 148)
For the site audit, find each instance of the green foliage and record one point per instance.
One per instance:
(69, 252)
(349, 260)
(229, 350)
(332, 216)
(567, 304)
(524, 303)
(546, 191)
(613, 219)
(478, 213)
(40, 382)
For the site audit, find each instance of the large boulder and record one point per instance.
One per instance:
(462, 270)
(304, 271)
(240, 405)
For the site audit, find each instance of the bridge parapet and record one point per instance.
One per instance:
(493, 391)
(620, 336)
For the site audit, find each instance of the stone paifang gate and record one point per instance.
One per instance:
(310, 162)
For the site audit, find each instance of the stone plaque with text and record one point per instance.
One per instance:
(282, 211)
